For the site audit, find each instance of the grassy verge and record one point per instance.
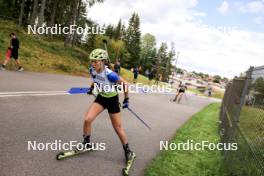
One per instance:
(249, 157)
(215, 94)
(202, 126)
(42, 54)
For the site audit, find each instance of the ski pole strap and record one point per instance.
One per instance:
(139, 118)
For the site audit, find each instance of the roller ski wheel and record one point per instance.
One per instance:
(60, 155)
(64, 155)
(129, 163)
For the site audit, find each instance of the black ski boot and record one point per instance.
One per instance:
(86, 147)
(86, 142)
(130, 156)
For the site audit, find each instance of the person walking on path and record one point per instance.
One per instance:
(12, 52)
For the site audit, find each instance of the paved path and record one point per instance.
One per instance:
(46, 118)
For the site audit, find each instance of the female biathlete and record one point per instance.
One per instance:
(103, 76)
(181, 90)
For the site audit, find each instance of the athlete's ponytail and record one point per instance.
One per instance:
(108, 64)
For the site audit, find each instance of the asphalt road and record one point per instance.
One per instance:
(50, 117)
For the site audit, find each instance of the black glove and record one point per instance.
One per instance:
(125, 103)
(90, 92)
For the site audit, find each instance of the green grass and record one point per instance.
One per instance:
(202, 126)
(242, 161)
(196, 91)
(248, 159)
(41, 54)
(218, 94)
(129, 76)
(215, 94)
(251, 120)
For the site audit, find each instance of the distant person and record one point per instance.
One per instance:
(117, 67)
(150, 76)
(139, 69)
(209, 91)
(171, 82)
(136, 72)
(181, 90)
(147, 72)
(157, 78)
(12, 52)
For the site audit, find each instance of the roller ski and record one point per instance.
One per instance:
(130, 157)
(86, 147)
(64, 155)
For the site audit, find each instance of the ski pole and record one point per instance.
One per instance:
(78, 90)
(134, 115)
(139, 118)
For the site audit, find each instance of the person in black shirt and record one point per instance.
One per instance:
(117, 66)
(12, 52)
(136, 72)
(181, 90)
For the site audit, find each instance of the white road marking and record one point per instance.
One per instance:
(52, 93)
(33, 93)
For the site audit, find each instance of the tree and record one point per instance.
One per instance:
(132, 40)
(163, 65)
(259, 90)
(117, 31)
(41, 13)
(217, 79)
(161, 62)
(81, 22)
(123, 32)
(259, 85)
(169, 66)
(148, 51)
(54, 8)
(34, 12)
(109, 31)
(21, 12)
(72, 19)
